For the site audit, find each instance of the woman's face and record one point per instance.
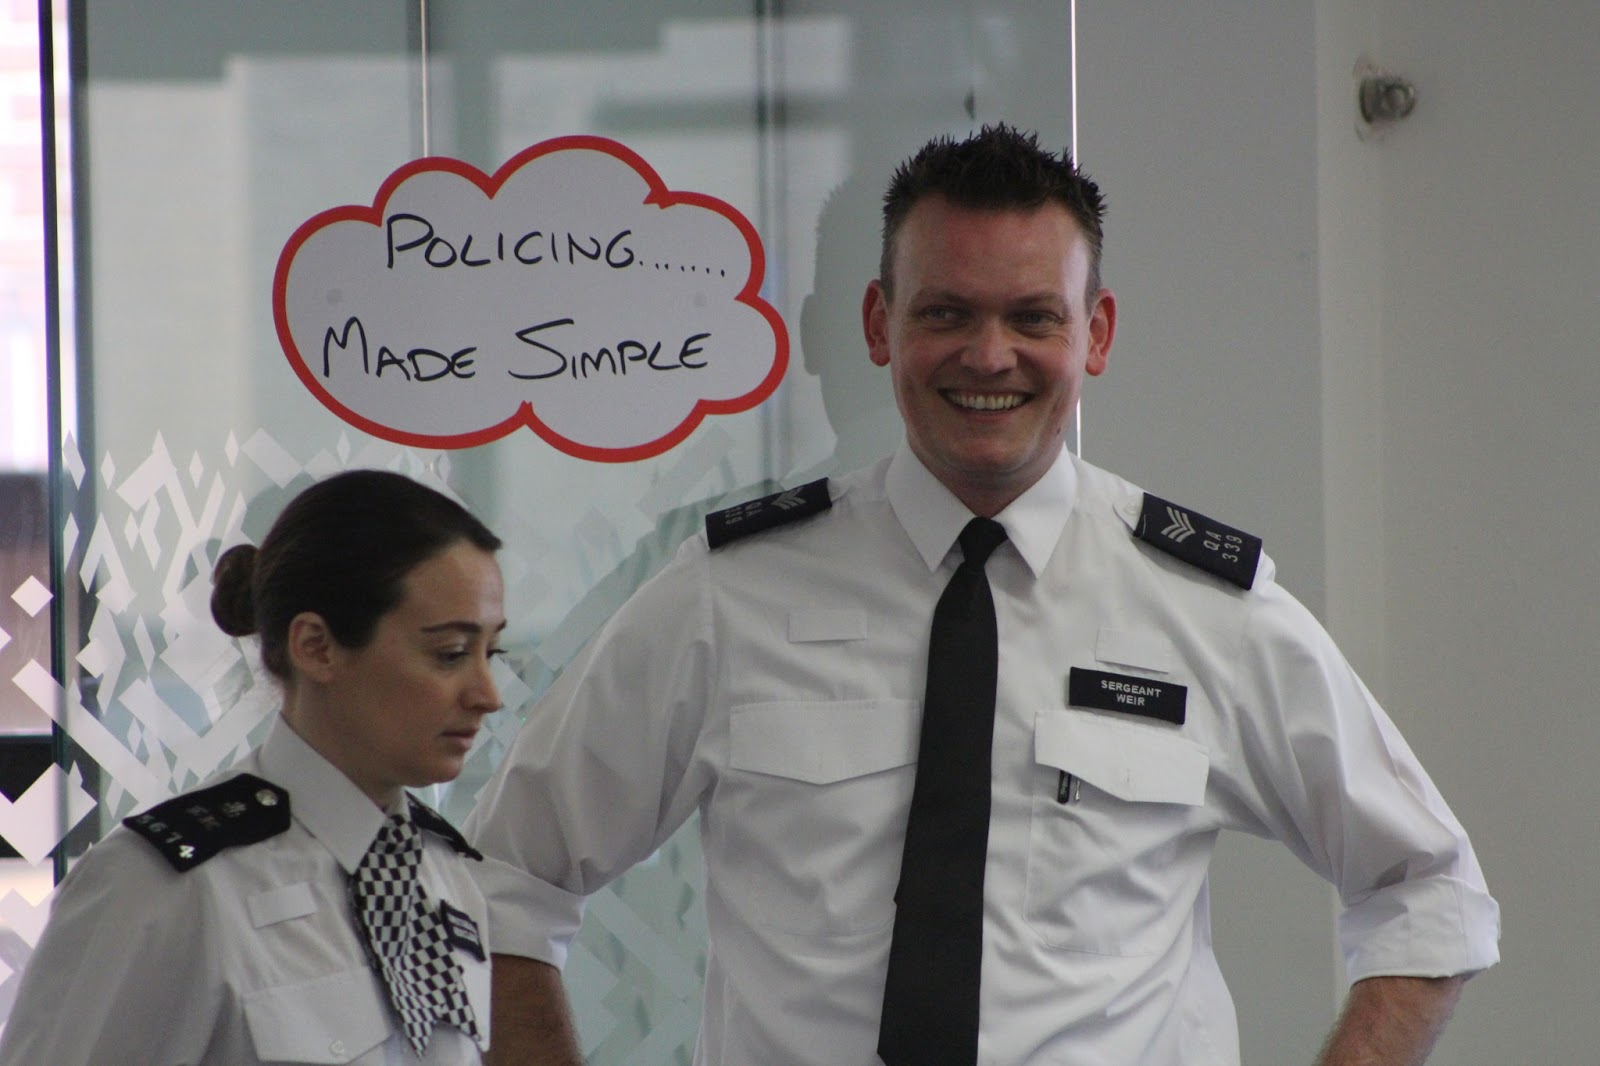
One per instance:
(403, 711)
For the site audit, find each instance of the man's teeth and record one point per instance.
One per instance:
(983, 401)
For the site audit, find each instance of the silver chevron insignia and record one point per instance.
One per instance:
(1180, 530)
(788, 501)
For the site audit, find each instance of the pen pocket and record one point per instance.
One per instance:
(1114, 870)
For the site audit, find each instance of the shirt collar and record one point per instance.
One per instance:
(933, 518)
(321, 797)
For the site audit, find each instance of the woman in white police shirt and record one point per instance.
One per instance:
(247, 922)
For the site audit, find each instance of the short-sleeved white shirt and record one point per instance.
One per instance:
(251, 957)
(774, 685)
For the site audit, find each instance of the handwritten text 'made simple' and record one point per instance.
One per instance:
(545, 361)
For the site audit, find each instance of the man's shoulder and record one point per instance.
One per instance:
(1178, 531)
(795, 511)
(772, 511)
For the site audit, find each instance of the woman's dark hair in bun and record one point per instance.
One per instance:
(341, 549)
(233, 606)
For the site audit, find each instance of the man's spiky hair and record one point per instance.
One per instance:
(998, 168)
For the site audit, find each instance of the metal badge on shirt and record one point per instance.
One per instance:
(1229, 553)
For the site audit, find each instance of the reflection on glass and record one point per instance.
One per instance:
(208, 145)
(30, 786)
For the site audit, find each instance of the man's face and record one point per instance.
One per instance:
(987, 338)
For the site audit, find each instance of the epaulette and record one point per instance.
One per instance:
(1229, 553)
(779, 509)
(189, 829)
(434, 822)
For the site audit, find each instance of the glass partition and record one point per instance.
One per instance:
(32, 788)
(201, 142)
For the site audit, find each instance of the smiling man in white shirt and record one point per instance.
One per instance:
(1154, 686)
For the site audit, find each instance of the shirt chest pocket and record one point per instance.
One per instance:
(340, 1018)
(1115, 856)
(816, 799)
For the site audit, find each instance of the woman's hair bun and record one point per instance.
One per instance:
(233, 604)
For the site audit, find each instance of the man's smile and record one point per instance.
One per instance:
(985, 401)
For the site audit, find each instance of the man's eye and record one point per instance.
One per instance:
(1035, 320)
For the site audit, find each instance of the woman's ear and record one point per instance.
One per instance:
(312, 649)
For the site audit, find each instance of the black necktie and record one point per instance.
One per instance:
(930, 1001)
(408, 941)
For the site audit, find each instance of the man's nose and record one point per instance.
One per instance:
(989, 350)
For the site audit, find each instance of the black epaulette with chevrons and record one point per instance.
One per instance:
(189, 829)
(779, 509)
(434, 822)
(1229, 553)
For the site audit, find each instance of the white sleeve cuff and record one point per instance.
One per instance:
(1434, 927)
(527, 917)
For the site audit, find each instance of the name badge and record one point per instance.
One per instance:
(462, 931)
(1145, 696)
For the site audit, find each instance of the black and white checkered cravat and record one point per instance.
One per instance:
(409, 942)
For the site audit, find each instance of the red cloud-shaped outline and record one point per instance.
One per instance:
(524, 415)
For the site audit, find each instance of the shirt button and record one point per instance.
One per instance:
(336, 1048)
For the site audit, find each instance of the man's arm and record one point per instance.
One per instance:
(532, 1024)
(1391, 1021)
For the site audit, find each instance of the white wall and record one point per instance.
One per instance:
(1468, 244)
(1490, 376)
(1381, 354)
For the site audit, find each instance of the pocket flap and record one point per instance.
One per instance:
(333, 1019)
(281, 904)
(1145, 649)
(1134, 762)
(820, 743)
(819, 625)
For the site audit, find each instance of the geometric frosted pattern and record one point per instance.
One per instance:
(290, 109)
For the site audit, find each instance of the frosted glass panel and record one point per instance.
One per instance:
(205, 142)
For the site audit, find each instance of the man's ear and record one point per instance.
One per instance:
(313, 653)
(1102, 328)
(875, 322)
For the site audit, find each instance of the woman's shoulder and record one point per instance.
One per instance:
(155, 861)
(236, 811)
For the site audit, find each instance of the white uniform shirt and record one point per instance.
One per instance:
(775, 685)
(250, 957)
